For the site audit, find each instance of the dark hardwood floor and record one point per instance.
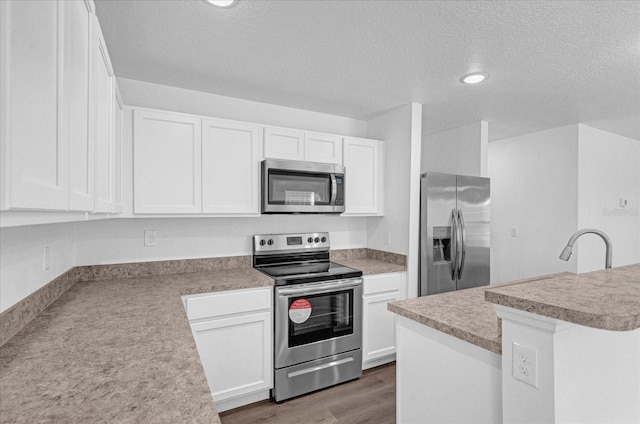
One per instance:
(370, 399)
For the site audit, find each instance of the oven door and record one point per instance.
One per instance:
(315, 320)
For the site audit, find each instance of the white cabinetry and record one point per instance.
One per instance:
(167, 162)
(56, 108)
(118, 153)
(233, 331)
(75, 104)
(285, 143)
(230, 166)
(34, 156)
(101, 110)
(325, 148)
(186, 164)
(364, 179)
(378, 340)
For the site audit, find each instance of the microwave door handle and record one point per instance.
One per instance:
(334, 189)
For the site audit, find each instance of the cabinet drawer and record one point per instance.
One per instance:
(383, 282)
(227, 303)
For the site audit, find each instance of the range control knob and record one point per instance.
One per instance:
(270, 242)
(317, 239)
(310, 240)
(262, 242)
(323, 239)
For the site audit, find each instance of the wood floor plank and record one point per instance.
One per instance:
(369, 399)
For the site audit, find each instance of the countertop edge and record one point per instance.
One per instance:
(494, 346)
(610, 321)
(599, 321)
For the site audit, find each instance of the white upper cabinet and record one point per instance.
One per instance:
(325, 148)
(101, 98)
(283, 143)
(364, 176)
(56, 108)
(230, 166)
(167, 162)
(118, 153)
(75, 100)
(34, 156)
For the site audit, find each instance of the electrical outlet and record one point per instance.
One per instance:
(150, 238)
(45, 259)
(387, 237)
(525, 364)
(514, 231)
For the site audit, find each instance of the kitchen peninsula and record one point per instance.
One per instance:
(558, 348)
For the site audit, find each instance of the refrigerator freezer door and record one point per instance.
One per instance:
(474, 209)
(437, 235)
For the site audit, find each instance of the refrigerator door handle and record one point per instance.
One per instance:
(454, 243)
(463, 248)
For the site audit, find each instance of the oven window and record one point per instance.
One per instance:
(330, 315)
(292, 188)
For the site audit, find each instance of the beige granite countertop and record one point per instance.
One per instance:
(607, 299)
(463, 314)
(116, 351)
(370, 266)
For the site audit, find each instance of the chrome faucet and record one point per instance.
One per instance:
(566, 252)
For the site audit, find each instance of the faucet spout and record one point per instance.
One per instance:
(566, 252)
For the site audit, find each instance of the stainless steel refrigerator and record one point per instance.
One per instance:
(454, 232)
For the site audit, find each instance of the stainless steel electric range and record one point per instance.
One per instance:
(317, 313)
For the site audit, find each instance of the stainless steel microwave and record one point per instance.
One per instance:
(302, 187)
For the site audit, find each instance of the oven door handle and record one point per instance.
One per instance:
(319, 288)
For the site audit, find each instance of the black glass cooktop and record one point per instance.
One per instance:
(307, 273)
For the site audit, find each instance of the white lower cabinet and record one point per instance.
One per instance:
(233, 331)
(378, 339)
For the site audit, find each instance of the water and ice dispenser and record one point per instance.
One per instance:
(441, 244)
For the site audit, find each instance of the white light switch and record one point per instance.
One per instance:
(387, 237)
(622, 202)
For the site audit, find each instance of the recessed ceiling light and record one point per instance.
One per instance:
(474, 78)
(220, 3)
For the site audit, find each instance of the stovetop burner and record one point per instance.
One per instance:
(298, 258)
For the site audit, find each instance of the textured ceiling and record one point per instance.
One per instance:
(551, 63)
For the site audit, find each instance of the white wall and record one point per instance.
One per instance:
(534, 188)
(156, 96)
(395, 128)
(22, 259)
(461, 150)
(122, 241)
(608, 169)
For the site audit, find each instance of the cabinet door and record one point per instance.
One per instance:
(283, 143)
(378, 338)
(118, 153)
(325, 148)
(167, 162)
(363, 160)
(101, 105)
(230, 167)
(236, 354)
(35, 158)
(75, 112)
